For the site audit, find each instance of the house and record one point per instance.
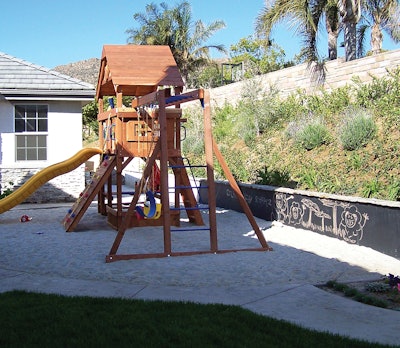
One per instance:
(40, 125)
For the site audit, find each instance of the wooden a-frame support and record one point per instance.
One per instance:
(161, 152)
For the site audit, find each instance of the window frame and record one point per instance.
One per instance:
(34, 147)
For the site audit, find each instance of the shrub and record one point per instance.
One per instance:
(308, 178)
(7, 191)
(371, 188)
(308, 133)
(193, 133)
(357, 129)
(255, 112)
(328, 103)
(272, 177)
(394, 190)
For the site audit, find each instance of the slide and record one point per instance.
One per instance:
(45, 175)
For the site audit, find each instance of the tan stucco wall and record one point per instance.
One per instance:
(338, 74)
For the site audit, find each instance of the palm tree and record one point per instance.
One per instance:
(304, 16)
(331, 10)
(174, 27)
(350, 12)
(379, 15)
(299, 18)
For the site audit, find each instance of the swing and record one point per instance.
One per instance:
(150, 208)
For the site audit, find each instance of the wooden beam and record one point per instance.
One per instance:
(239, 195)
(162, 119)
(131, 210)
(119, 98)
(208, 141)
(146, 99)
(120, 257)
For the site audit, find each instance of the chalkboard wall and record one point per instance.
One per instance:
(367, 222)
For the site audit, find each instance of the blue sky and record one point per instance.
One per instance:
(56, 32)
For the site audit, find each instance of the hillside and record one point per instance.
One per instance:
(85, 70)
(345, 142)
(258, 142)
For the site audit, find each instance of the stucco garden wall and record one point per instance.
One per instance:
(338, 74)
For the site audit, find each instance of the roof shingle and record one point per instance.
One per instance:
(18, 76)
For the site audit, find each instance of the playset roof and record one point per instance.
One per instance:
(136, 70)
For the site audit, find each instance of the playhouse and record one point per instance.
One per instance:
(150, 129)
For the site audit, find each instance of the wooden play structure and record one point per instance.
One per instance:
(150, 129)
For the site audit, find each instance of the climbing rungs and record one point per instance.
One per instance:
(190, 208)
(190, 229)
(187, 166)
(131, 193)
(187, 187)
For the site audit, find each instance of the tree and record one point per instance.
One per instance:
(295, 12)
(258, 57)
(332, 25)
(350, 12)
(161, 25)
(208, 76)
(89, 117)
(305, 17)
(379, 15)
(319, 10)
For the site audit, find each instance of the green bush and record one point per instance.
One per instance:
(309, 133)
(371, 188)
(357, 129)
(394, 190)
(193, 134)
(272, 177)
(313, 135)
(7, 191)
(328, 103)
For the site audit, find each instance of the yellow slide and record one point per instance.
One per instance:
(45, 175)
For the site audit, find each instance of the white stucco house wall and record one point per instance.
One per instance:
(40, 125)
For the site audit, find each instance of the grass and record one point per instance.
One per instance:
(39, 320)
(349, 291)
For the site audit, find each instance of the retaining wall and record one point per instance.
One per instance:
(368, 222)
(339, 73)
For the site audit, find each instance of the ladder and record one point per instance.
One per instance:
(183, 188)
(79, 208)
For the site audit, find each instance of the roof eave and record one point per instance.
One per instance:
(12, 94)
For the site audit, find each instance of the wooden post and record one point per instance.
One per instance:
(119, 168)
(119, 100)
(100, 196)
(208, 141)
(162, 118)
(101, 130)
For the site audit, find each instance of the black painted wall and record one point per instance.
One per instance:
(357, 221)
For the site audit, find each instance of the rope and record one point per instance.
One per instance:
(151, 210)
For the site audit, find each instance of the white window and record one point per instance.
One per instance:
(31, 132)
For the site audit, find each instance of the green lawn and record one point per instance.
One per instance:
(38, 320)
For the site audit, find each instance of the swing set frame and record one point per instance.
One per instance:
(126, 133)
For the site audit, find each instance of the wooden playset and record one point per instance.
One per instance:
(150, 129)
